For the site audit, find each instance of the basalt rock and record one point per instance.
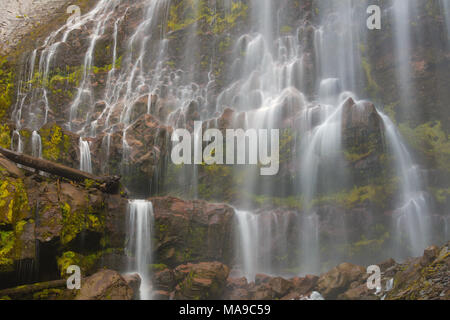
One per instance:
(202, 281)
(191, 231)
(55, 222)
(363, 139)
(105, 285)
(338, 280)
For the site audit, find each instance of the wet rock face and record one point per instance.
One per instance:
(191, 231)
(363, 139)
(142, 159)
(54, 222)
(134, 282)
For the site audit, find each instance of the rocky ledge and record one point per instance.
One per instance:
(426, 277)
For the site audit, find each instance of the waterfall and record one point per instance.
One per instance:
(412, 213)
(248, 245)
(266, 68)
(140, 224)
(16, 142)
(402, 20)
(36, 145)
(85, 156)
(262, 243)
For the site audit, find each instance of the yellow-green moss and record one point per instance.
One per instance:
(378, 194)
(5, 136)
(188, 12)
(430, 141)
(55, 144)
(75, 221)
(7, 242)
(47, 293)
(441, 194)
(372, 87)
(85, 262)
(6, 86)
(291, 202)
(13, 200)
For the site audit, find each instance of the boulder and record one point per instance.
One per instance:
(338, 279)
(164, 280)
(203, 281)
(280, 286)
(134, 282)
(105, 285)
(305, 285)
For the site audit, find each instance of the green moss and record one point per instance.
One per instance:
(51, 138)
(187, 12)
(291, 202)
(6, 86)
(429, 141)
(47, 293)
(441, 195)
(157, 267)
(13, 201)
(5, 136)
(372, 87)
(286, 29)
(55, 144)
(368, 245)
(85, 262)
(377, 194)
(75, 221)
(6, 250)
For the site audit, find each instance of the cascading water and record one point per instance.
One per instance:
(140, 224)
(262, 243)
(85, 156)
(248, 244)
(412, 216)
(308, 71)
(36, 145)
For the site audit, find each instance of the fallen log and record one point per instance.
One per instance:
(109, 184)
(29, 289)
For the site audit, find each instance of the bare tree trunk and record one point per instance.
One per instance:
(109, 184)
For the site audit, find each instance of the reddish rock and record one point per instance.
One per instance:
(305, 285)
(338, 279)
(263, 292)
(161, 295)
(192, 231)
(164, 280)
(134, 281)
(262, 278)
(280, 286)
(105, 285)
(206, 280)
